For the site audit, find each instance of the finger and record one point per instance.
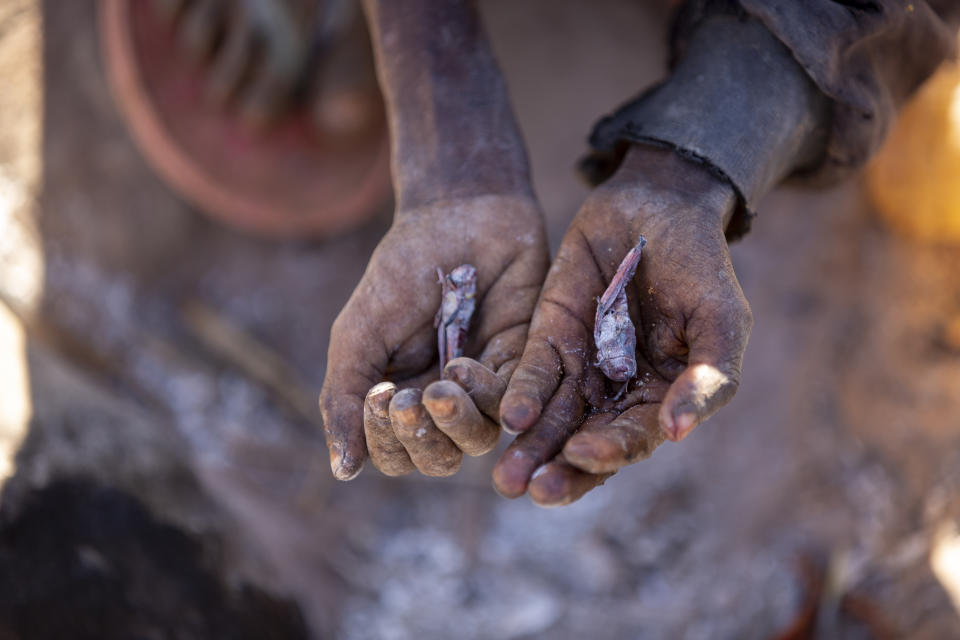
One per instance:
(200, 27)
(355, 362)
(232, 62)
(386, 451)
(168, 10)
(433, 453)
(505, 372)
(504, 347)
(274, 72)
(559, 483)
(541, 442)
(717, 340)
(605, 447)
(557, 343)
(419, 381)
(511, 298)
(483, 386)
(455, 414)
(531, 386)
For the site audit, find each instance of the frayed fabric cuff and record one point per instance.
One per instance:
(736, 103)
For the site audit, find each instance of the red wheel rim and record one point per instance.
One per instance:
(287, 181)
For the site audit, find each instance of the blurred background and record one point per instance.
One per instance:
(168, 279)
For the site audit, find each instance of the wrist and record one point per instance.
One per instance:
(470, 180)
(481, 213)
(675, 189)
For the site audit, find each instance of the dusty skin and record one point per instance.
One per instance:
(692, 322)
(467, 200)
(386, 331)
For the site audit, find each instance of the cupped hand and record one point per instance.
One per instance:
(383, 345)
(692, 323)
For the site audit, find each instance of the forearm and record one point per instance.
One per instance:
(453, 132)
(738, 100)
(867, 57)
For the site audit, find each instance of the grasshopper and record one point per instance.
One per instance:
(613, 331)
(458, 291)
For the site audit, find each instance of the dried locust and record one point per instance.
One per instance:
(613, 331)
(458, 290)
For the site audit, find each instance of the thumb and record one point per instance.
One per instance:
(356, 361)
(717, 339)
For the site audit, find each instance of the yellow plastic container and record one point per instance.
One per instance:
(914, 181)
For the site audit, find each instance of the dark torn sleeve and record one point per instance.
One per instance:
(764, 88)
(867, 56)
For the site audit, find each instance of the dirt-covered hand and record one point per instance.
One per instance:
(386, 332)
(692, 324)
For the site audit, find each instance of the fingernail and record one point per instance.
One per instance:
(518, 418)
(547, 503)
(441, 402)
(458, 373)
(683, 425)
(336, 460)
(343, 468)
(547, 490)
(445, 409)
(512, 474)
(379, 397)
